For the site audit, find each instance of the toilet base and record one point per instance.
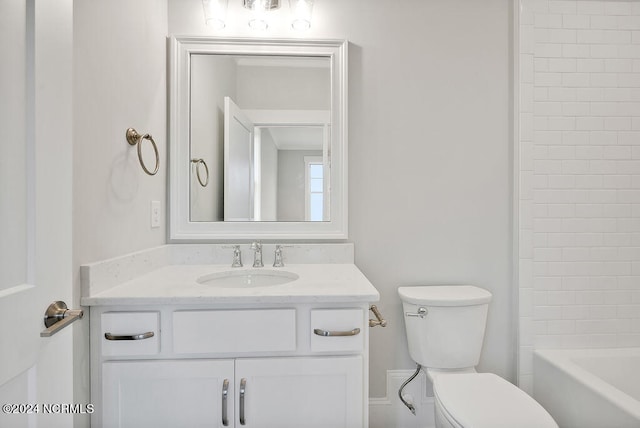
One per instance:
(440, 414)
(442, 421)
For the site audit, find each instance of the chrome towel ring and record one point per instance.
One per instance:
(199, 162)
(133, 137)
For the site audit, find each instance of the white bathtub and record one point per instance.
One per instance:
(589, 388)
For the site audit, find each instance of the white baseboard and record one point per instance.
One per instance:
(390, 412)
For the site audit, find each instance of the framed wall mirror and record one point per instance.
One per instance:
(257, 139)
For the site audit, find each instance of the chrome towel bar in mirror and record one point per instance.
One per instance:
(133, 138)
(199, 162)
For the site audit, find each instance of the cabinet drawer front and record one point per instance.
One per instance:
(337, 330)
(130, 333)
(234, 331)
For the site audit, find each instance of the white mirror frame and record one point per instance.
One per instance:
(181, 229)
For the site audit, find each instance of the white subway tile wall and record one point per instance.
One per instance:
(579, 180)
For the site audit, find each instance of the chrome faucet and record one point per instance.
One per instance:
(237, 257)
(256, 246)
(277, 261)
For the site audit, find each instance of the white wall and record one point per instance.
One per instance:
(119, 79)
(214, 77)
(120, 82)
(580, 176)
(284, 88)
(429, 152)
(291, 183)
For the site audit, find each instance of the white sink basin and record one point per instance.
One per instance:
(247, 278)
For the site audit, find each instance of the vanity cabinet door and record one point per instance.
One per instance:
(170, 393)
(300, 392)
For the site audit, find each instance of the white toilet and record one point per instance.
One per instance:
(445, 329)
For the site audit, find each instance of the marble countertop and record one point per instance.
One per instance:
(177, 284)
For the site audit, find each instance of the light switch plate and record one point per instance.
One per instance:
(155, 214)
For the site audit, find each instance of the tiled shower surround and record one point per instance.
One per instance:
(579, 176)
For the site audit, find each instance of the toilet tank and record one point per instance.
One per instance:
(451, 333)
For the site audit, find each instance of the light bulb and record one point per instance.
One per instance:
(215, 12)
(301, 11)
(259, 19)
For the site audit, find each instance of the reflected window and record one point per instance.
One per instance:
(314, 188)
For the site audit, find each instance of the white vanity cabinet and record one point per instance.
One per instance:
(299, 392)
(299, 366)
(165, 393)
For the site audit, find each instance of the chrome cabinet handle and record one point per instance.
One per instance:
(243, 390)
(225, 400)
(326, 333)
(140, 336)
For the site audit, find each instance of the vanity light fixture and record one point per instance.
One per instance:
(215, 12)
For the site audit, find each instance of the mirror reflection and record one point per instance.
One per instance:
(261, 124)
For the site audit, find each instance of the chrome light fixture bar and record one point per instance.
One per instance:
(215, 13)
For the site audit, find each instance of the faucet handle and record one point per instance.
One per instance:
(237, 256)
(278, 260)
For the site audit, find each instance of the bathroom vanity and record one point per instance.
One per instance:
(179, 337)
(182, 343)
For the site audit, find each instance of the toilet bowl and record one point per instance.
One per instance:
(485, 400)
(445, 328)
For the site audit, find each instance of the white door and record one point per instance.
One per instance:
(35, 209)
(300, 392)
(171, 394)
(238, 164)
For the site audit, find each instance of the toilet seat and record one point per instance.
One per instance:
(485, 400)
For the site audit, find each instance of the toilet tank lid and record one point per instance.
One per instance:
(444, 295)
